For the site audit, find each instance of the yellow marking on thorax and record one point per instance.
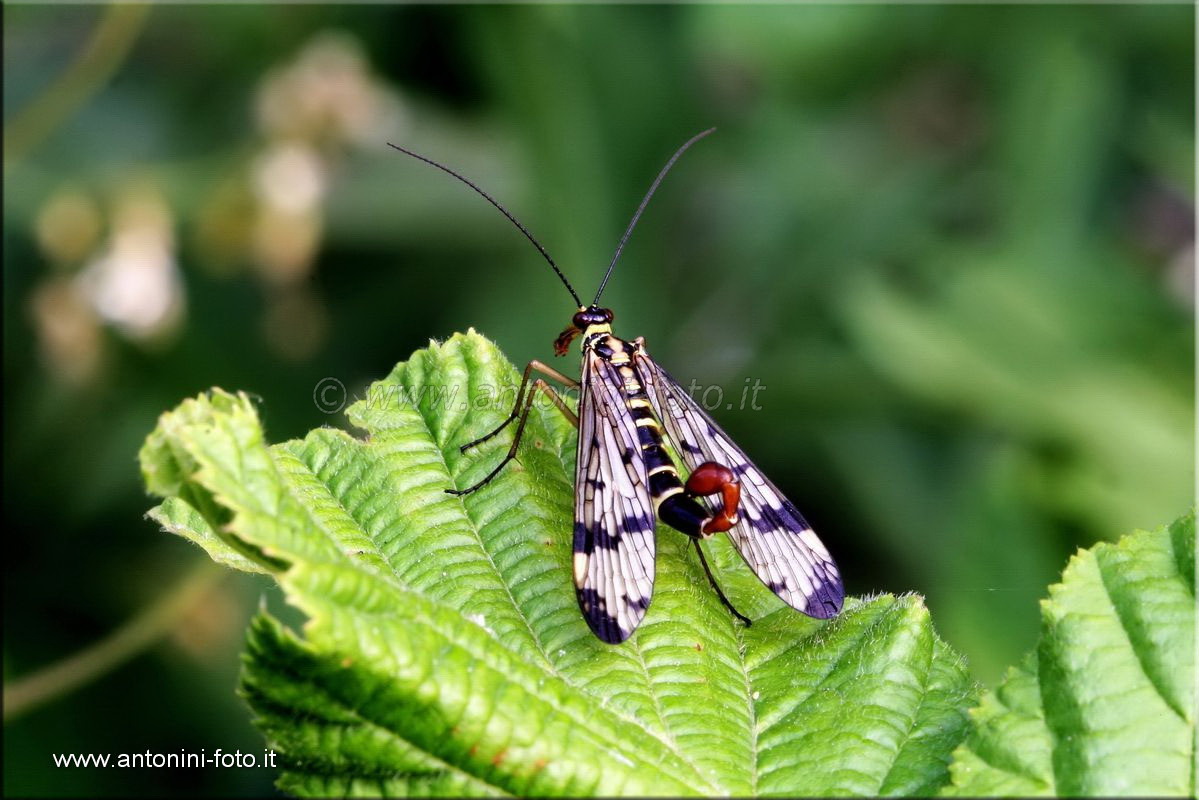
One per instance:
(592, 330)
(639, 402)
(620, 354)
(648, 422)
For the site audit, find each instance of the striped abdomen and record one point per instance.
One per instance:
(673, 506)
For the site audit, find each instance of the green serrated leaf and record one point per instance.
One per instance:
(1105, 705)
(445, 654)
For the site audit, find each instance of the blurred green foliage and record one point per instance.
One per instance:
(954, 243)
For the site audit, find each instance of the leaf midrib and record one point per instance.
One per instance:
(487, 657)
(473, 524)
(835, 662)
(254, 505)
(666, 741)
(925, 692)
(739, 632)
(1132, 639)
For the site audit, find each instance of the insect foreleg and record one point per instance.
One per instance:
(523, 416)
(544, 369)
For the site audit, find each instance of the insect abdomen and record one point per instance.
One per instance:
(677, 509)
(683, 513)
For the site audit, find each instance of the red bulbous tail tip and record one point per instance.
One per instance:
(710, 478)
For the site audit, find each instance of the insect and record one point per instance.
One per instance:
(629, 409)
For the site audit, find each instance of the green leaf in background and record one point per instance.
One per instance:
(444, 652)
(1106, 703)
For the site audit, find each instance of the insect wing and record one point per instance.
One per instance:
(614, 516)
(770, 534)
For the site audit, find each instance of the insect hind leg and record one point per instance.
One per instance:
(712, 580)
(681, 512)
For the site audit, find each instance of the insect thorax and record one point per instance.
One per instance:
(606, 345)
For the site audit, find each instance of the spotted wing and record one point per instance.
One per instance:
(614, 516)
(771, 535)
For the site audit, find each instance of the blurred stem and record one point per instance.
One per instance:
(93, 66)
(122, 644)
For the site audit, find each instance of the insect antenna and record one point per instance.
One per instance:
(644, 202)
(505, 212)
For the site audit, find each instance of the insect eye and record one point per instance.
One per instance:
(592, 316)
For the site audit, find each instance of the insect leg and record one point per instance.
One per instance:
(557, 400)
(538, 385)
(700, 551)
(524, 380)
